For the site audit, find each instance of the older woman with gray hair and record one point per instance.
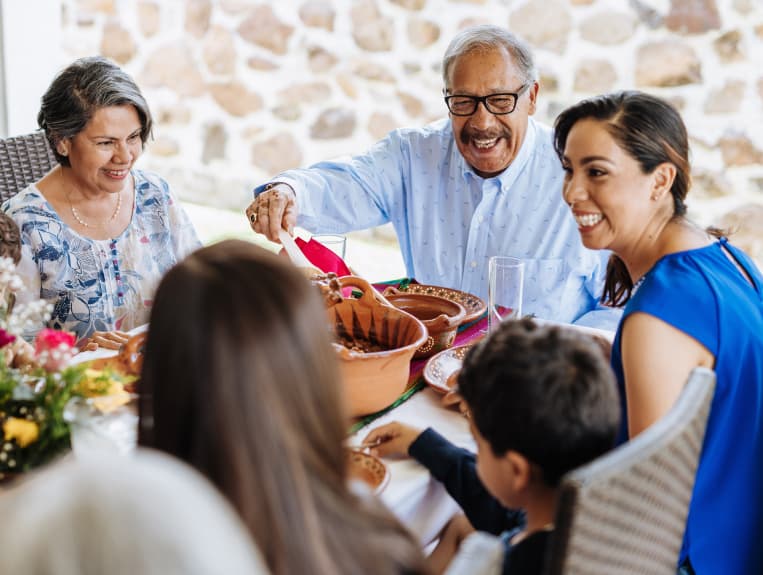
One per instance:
(97, 235)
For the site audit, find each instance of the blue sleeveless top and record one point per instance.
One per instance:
(701, 293)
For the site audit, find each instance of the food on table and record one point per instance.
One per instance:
(327, 284)
(368, 469)
(128, 361)
(360, 344)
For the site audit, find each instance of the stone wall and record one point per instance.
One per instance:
(242, 89)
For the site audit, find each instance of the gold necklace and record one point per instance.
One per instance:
(102, 224)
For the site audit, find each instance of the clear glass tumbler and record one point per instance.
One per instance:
(505, 281)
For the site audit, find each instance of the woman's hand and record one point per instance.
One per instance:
(273, 210)
(105, 340)
(391, 440)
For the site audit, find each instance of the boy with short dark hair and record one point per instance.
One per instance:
(542, 401)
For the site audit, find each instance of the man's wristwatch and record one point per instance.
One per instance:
(270, 185)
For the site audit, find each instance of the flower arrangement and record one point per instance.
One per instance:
(37, 382)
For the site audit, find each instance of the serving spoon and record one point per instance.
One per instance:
(292, 250)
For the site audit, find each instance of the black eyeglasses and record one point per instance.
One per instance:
(498, 104)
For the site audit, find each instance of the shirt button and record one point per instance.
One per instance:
(473, 264)
(481, 219)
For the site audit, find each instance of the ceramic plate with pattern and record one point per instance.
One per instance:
(473, 305)
(441, 369)
(368, 469)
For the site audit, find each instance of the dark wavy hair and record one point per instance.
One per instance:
(650, 131)
(82, 88)
(546, 392)
(240, 380)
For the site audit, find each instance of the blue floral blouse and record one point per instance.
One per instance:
(100, 285)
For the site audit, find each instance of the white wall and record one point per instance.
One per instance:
(31, 49)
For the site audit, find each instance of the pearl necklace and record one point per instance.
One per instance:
(102, 224)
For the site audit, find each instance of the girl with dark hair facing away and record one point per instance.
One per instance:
(240, 380)
(691, 299)
(97, 234)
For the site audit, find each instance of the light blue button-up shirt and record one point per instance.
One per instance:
(449, 220)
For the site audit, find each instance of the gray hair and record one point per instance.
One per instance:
(81, 89)
(487, 38)
(103, 513)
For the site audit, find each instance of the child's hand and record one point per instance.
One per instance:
(392, 439)
(451, 537)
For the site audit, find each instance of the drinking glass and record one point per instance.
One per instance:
(335, 242)
(505, 280)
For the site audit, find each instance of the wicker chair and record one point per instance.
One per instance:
(23, 160)
(626, 512)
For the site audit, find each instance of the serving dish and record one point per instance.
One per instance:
(441, 317)
(368, 469)
(473, 305)
(441, 370)
(375, 342)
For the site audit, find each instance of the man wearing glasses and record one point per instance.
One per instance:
(484, 182)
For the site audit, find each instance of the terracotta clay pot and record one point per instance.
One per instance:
(373, 379)
(440, 316)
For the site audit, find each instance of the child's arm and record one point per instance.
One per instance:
(454, 467)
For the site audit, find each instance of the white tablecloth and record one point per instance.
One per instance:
(420, 502)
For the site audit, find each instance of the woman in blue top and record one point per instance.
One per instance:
(691, 299)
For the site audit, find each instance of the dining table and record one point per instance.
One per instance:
(419, 501)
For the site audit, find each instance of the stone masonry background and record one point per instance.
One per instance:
(243, 89)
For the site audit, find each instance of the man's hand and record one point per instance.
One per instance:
(272, 210)
(105, 340)
(391, 440)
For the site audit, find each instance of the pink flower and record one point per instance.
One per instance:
(52, 339)
(6, 338)
(54, 348)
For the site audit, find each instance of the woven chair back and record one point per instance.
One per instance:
(626, 511)
(23, 160)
